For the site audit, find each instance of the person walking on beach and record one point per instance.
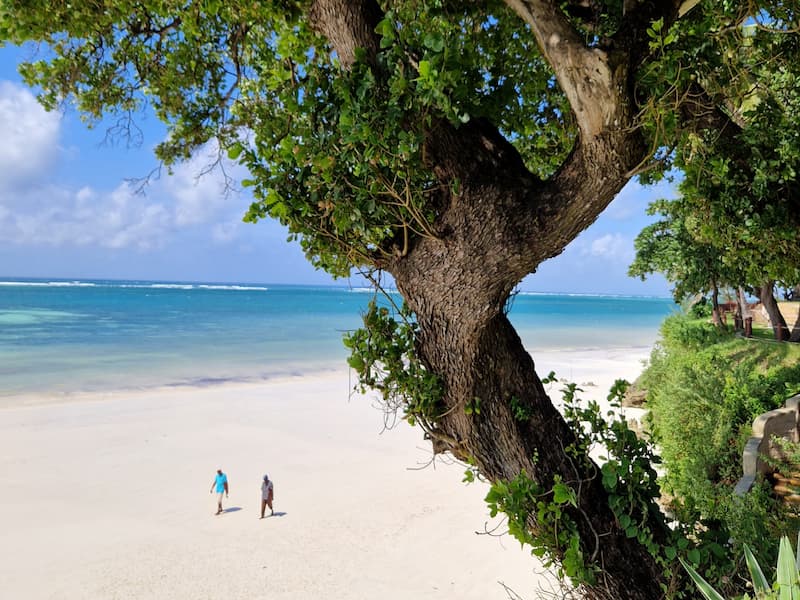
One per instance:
(266, 496)
(221, 484)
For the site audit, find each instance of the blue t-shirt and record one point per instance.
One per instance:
(221, 479)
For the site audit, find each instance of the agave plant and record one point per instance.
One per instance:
(787, 583)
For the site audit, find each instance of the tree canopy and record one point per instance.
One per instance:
(737, 222)
(457, 145)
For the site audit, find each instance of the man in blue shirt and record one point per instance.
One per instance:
(220, 483)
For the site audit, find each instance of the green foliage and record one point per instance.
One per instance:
(537, 517)
(704, 390)
(701, 309)
(678, 332)
(542, 517)
(473, 407)
(787, 581)
(737, 218)
(627, 461)
(790, 456)
(334, 154)
(383, 356)
(471, 473)
(521, 411)
(669, 247)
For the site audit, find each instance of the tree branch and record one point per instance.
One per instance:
(348, 25)
(586, 75)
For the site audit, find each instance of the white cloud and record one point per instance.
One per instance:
(30, 136)
(224, 233)
(611, 246)
(37, 211)
(58, 217)
(198, 196)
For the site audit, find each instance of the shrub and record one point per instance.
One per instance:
(704, 388)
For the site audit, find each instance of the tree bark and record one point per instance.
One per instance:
(776, 319)
(499, 227)
(745, 318)
(457, 288)
(492, 365)
(795, 335)
(715, 315)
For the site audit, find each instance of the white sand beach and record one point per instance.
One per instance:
(107, 496)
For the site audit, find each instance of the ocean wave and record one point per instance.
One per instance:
(48, 283)
(369, 290)
(245, 288)
(593, 295)
(197, 286)
(166, 285)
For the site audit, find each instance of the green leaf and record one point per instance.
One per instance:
(356, 363)
(235, 150)
(658, 25)
(705, 588)
(797, 555)
(610, 477)
(760, 583)
(563, 494)
(424, 69)
(787, 572)
(670, 552)
(694, 556)
(433, 40)
(386, 29)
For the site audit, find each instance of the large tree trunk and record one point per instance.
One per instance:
(715, 314)
(493, 366)
(795, 335)
(776, 319)
(497, 229)
(457, 288)
(745, 318)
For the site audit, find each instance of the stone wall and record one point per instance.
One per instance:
(781, 422)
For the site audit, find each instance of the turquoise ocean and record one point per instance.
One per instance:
(70, 336)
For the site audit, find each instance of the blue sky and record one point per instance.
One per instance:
(68, 210)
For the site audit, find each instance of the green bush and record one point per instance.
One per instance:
(701, 309)
(704, 388)
(681, 332)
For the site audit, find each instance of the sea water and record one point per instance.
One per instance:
(59, 336)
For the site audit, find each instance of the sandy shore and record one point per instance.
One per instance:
(107, 496)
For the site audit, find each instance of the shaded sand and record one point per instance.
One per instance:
(106, 496)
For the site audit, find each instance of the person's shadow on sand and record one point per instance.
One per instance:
(231, 509)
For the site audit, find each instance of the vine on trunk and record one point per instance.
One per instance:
(382, 355)
(384, 358)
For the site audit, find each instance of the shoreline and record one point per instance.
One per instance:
(568, 364)
(107, 496)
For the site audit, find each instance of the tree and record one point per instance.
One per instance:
(739, 193)
(695, 265)
(454, 145)
(739, 200)
(667, 246)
